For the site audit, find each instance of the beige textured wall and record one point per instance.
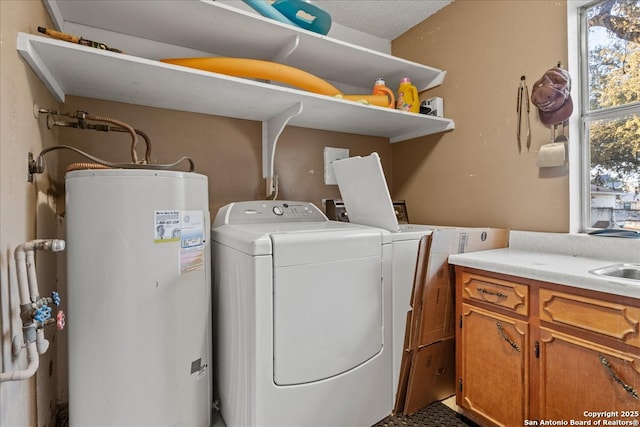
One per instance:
(26, 212)
(228, 151)
(474, 175)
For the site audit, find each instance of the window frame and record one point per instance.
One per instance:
(577, 191)
(579, 153)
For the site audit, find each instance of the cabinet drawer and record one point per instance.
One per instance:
(613, 320)
(501, 293)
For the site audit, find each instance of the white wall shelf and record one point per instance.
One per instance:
(216, 29)
(70, 69)
(211, 26)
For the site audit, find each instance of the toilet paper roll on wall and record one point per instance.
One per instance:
(551, 155)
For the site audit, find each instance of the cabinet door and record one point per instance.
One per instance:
(578, 376)
(494, 366)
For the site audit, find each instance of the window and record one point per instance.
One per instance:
(609, 61)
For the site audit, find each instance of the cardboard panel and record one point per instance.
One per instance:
(405, 369)
(427, 372)
(432, 375)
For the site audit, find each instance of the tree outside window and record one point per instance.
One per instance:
(611, 111)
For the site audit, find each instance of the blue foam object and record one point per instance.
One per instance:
(265, 9)
(305, 15)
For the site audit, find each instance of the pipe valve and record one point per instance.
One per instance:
(60, 320)
(55, 298)
(42, 314)
(34, 309)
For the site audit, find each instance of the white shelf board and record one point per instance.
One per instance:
(71, 69)
(223, 30)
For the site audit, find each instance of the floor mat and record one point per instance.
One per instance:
(435, 415)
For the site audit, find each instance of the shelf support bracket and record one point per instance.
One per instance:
(271, 130)
(287, 49)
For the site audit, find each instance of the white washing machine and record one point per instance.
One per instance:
(302, 317)
(366, 197)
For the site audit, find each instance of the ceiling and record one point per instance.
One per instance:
(386, 19)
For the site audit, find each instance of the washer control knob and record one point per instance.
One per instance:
(278, 210)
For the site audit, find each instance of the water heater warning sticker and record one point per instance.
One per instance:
(167, 226)
(191, 241)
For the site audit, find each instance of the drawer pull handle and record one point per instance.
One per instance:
(506, 338)
(617, 379)
(496, 294)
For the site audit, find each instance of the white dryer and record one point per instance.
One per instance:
(302, 313)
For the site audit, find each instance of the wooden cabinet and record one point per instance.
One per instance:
(529, 351)
(492, 353)
(494, 364)
(577, 375)
(589, 355)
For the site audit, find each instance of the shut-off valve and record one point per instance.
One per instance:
(35, 310)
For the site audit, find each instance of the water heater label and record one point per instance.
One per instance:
(167, 226)
(191, 241)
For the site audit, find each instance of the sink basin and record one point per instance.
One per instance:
(624, 271)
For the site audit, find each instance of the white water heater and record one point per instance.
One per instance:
(138, 303)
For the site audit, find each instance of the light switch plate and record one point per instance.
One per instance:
(330, 155)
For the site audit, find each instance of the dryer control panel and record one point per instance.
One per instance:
(336, 211)
(268, 211)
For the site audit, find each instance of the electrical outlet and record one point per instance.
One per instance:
(330, 155)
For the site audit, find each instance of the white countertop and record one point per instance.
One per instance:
(526, 258)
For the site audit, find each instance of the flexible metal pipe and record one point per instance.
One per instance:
(85, 165)
(107, 128)
(38, 165)
(132, 132)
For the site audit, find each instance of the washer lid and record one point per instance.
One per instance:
(365, 193)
